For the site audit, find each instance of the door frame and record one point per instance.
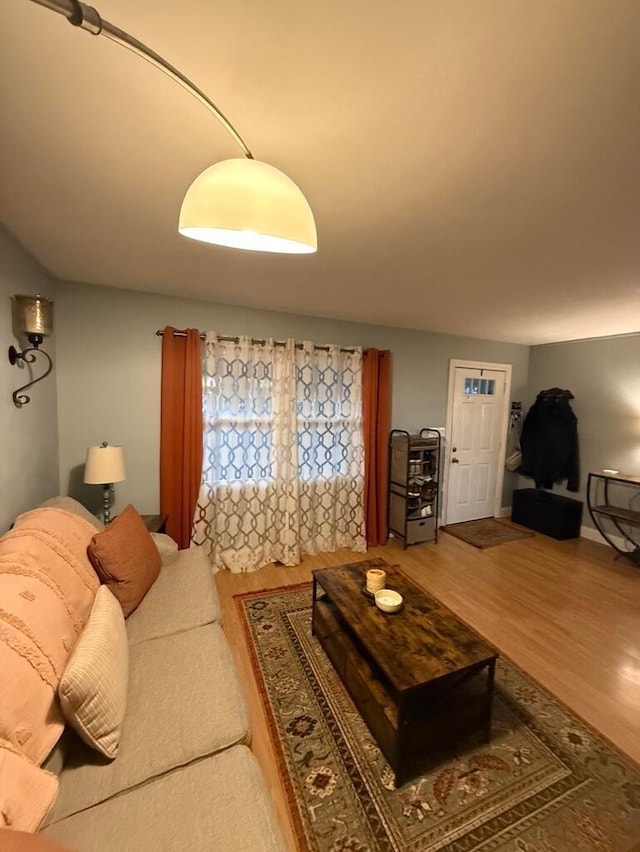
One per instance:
(454, 364)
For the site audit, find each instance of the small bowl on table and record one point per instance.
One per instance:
(388, 600)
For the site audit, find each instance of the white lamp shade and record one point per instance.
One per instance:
(248, 204)
(104, 465)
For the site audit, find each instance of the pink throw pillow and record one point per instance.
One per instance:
(47, 587)
(65, 533)
(126, 559)
(36, 638)
(56, 541)
(22, 841)
(27, 793)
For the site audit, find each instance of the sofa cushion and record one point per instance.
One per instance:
(93, 688)
(183, 596)
(125, 558)
(167, 548)
(23, 841)
(185, 702)
(26, 792)
(219, 803)
(76, 508)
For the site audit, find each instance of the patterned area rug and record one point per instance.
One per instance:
(545, 783)
(487, 532)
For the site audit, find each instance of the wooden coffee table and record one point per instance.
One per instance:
(422, 681)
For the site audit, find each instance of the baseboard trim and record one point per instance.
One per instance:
(593, 535)
(585, 532)
(590, 533)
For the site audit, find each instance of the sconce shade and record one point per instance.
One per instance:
(248, 204)
(34, 315)
(104, 465)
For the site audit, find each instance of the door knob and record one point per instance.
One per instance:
(455, 461)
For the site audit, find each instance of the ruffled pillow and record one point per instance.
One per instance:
(22, 841)
(27, 793)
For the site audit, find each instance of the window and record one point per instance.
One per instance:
(283, 466)
(479, 387)
(238, 413)
(240, 419)
(328, 422)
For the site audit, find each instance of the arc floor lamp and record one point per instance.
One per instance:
(240, 203)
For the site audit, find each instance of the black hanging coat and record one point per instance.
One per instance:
(549, 442)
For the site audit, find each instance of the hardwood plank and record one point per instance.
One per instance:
(567, 612)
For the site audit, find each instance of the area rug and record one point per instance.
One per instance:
(487, 532)
(545, 783)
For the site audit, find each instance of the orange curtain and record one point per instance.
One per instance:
(376, 421)
(180, 431)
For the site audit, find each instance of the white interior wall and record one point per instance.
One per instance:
(29, 468)
(106, 382)
(604, 377)
(109, 373)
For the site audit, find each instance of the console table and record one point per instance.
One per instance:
(610, 498)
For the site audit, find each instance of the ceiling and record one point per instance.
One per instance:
(473, 167)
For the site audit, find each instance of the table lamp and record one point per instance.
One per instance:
(105, 466)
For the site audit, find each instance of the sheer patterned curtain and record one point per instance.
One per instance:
(283, 461)
(330, 448)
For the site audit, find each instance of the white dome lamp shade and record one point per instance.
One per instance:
(240, 203)
(247, 204)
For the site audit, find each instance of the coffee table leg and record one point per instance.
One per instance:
(490, 681)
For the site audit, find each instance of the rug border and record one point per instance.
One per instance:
(285, 779)
(297, 586)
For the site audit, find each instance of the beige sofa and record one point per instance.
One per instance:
(184, 777)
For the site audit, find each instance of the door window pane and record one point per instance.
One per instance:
(481, 387)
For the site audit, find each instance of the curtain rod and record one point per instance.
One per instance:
(255, 341)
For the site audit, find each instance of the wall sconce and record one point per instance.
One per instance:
(104, 466)
(33, 316)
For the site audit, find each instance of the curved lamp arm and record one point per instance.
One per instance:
(87, 18)
(28, 356)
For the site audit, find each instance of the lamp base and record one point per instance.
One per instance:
(106, 503)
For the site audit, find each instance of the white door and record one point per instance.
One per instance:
(474, 453)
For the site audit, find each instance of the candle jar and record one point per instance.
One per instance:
(376, 578)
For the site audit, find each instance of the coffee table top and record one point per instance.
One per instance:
(422, 642)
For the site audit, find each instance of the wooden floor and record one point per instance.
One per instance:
(567, 612)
